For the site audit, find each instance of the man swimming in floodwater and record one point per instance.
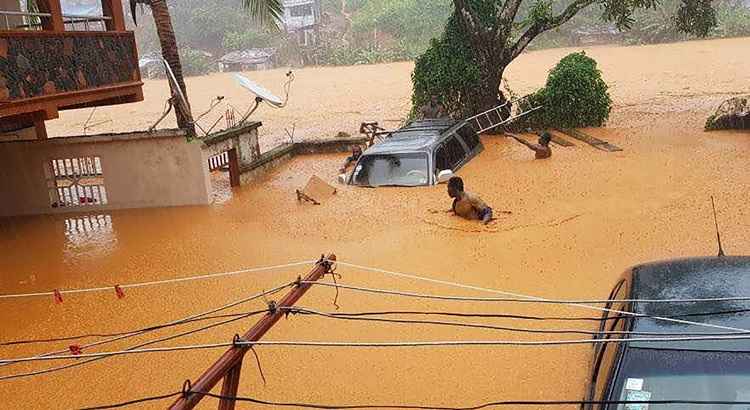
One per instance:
(356, 153)
(467, 205)
(433, 109)
(541, 150)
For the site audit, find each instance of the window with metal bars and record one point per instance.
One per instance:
(76, 182)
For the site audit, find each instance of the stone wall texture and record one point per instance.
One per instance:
(52, 63)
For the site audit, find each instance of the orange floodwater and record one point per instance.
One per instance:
(578, 220)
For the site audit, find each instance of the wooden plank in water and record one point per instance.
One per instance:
(560, 140)
(593, 141)
(555, 139)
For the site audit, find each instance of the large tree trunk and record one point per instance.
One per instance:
(171, 54)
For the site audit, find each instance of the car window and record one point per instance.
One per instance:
(471, 139)
(455, 151)
(654, 374)
(391, 169)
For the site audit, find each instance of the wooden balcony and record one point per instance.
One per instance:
(44, 68)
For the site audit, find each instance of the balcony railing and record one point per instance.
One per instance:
(33, 21)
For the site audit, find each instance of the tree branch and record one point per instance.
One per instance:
(464, 13)
(540, 27)
(510, 9)
(506, 18)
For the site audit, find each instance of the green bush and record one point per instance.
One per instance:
(575, 96)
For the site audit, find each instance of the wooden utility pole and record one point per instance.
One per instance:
(229, 365)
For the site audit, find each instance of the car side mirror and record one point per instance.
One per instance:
(342, 179)
(444, 176)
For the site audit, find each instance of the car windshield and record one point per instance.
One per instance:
(391, 169)
(654, 374)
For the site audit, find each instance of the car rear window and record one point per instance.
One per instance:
(657, 374)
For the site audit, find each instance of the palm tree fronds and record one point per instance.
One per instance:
(267, 13)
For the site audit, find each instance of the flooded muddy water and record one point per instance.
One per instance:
(577, 221)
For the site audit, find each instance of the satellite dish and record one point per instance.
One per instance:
(177, 90)
(259, 91)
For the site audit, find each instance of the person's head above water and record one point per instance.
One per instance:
(545, 138)
(455, 187)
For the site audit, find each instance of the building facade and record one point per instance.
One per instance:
(302, 19)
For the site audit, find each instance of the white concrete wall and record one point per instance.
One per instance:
(140, 170)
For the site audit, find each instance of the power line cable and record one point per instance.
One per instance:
(524, 317)
(149, 343)
(103, 335)
(476, 407)
(440, 343)
(502, 403)
(179, 321)
(522, 296)
(340, 316)
(132, 402)
(158, 282)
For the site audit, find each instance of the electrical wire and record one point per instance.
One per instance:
(132, 402)
(149, 343)
(476, 407)
(439, 343)
(158, 282)
(523, 317)
(522, 296)
(343, 316)
(540, 300)
(103, 335)
(422, 407)
(179, 321)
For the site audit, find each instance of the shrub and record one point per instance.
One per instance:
(575, 96)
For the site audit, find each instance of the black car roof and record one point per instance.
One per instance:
(694, 278)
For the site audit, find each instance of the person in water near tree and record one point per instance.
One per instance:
(356, 153)
(467, 205)
(541, 150)
(433, 109)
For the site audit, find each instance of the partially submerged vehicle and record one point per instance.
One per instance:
(716, 371)
(424, 152)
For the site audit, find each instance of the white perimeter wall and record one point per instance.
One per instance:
(140, 170)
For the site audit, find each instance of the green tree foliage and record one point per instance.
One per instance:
(446, 69)
(575, 96)
(498, 31)
(409, 24)
(207, 25)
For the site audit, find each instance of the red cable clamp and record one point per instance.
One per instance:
(75, 350)
(120, 293)
(58, 296)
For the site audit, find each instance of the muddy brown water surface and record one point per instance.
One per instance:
(578, 220)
